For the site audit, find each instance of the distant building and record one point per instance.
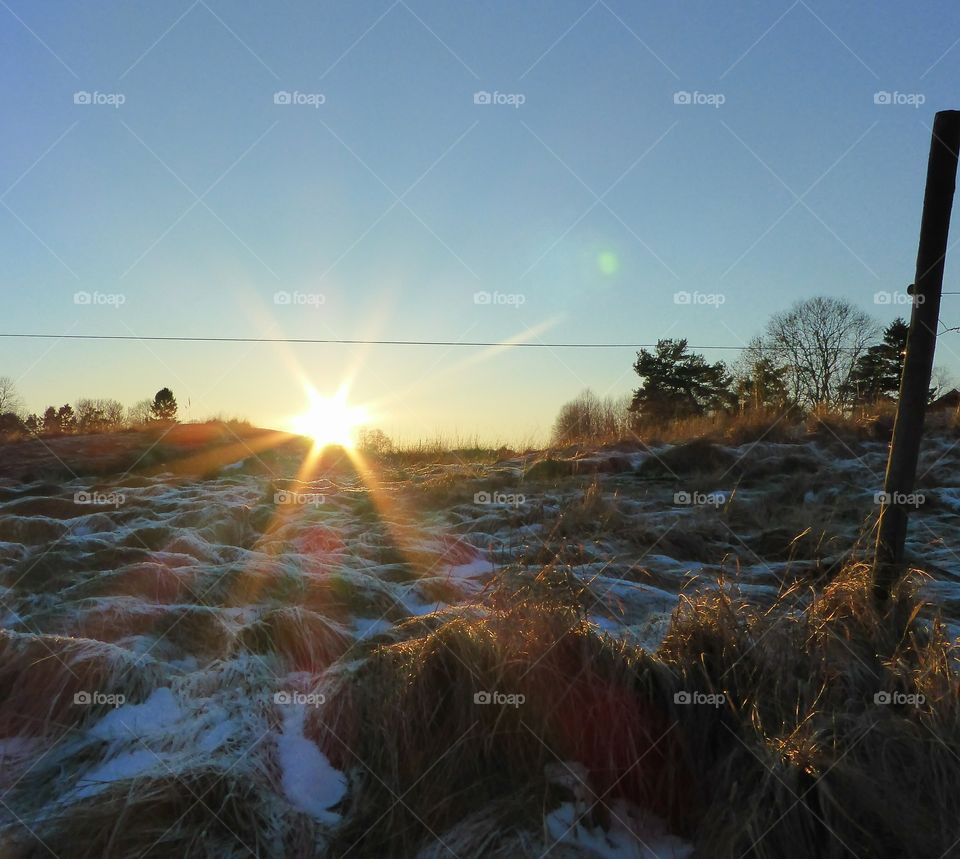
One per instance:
(949, 402)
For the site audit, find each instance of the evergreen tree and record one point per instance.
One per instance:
(164, 405)
(876, 375)
(51, 425)
(66, 419)
(677, 384)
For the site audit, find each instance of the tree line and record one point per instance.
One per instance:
(87, 415)
(823, 354)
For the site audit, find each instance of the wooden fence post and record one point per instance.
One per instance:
(921, 343)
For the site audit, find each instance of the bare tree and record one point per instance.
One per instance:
(141, 412)
(590, 418)
(10, 400)
(98, 415)
(941, 382)
(819, 341)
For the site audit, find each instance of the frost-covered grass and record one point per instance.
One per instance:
(480, 654)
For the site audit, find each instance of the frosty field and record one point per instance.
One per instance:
(208, 651)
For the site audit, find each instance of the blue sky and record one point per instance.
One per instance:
(383, 197)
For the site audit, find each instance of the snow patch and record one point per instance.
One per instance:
(311, 784)
(631, 836)
(158, 712)
(122, 766)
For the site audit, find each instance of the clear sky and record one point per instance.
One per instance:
(629, 151)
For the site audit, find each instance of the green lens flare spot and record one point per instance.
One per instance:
(608, 263)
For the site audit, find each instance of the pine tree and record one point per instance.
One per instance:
(876, 375)
(677, 384)
(66, 419)
(164, 405)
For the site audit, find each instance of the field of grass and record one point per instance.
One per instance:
(618, 650)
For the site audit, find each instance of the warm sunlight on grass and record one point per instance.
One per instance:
(330, 420)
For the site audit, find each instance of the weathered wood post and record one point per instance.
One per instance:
(921, 343)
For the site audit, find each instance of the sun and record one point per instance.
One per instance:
(330, 420)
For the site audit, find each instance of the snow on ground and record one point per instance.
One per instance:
(176, 582)
(631, 834)
(309, 781)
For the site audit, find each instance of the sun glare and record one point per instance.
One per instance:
(330, 420)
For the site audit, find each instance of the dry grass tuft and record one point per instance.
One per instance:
(303, 640)
(202, 812)
(41, 674)
(798, 757)
(414, 720)
(810, 757)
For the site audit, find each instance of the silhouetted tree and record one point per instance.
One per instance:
(164, 405)
(90, 417)
(590, 418)
(373, 441)
(140, 412)
(876, 375)
(678, 384)
(51, 424)
(761, 383)
(66, 420)
(9, 396)
(11, 425)
(820, 340)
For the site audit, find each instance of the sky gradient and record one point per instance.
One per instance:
(332, 170)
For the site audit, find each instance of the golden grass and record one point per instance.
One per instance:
(798, 760)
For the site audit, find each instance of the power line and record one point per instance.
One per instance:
(350, 342)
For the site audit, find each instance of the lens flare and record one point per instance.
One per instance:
(330, 420)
